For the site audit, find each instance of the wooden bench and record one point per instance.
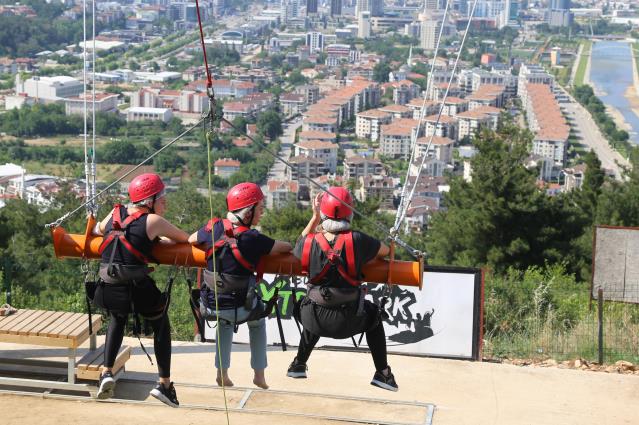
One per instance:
(52, 329)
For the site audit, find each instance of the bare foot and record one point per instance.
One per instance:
(227, 381)
(259, 379)
(260, 383)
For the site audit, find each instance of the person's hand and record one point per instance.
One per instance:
(316, 204)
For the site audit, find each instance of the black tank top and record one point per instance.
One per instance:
(135, 233)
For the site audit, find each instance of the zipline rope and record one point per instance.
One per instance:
(403, 212)
(422, 115)
(153, 155)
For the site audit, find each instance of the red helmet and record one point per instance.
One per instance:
(332, 207)
(243, 195)
(144, 186)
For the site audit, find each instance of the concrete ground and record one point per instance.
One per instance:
(463, 392)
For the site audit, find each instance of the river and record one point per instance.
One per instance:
(611, 74)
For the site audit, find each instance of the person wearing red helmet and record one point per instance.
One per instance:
(332, 256)
(125, 286)
(234, 251)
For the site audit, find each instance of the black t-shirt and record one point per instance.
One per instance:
(251, 243)
(135, 233)
(365, 247)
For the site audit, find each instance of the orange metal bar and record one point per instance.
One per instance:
(406, 273)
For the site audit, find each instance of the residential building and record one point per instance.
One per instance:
(376, 187)
(226, 167)
(473, 122)
(441, 148)
(310, 93)
(322, 136)
(396, 138)
(368, 123)
(320, 123)
(397, 111)
(315, 40)
(359, 166)
(324, 151)
(292, 103)
(281, 192)
(444, 127)
(304, 166)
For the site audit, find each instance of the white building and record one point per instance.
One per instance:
(315, 41)
(364, 24)
(149, 114)
(368, 123)
(429, 33)
(50, 88)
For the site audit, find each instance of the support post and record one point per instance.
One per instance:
(71, 367)
(600, 304)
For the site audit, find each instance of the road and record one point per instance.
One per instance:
(589, 134)
(278, 170)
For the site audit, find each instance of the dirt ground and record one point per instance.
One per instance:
(463, 392)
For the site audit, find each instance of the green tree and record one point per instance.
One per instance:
(270, 124)
(381, 71)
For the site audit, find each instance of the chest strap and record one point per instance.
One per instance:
(344, 241)
(229, 238)
(118, 234)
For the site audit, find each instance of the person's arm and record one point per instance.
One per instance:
(101, 226)
(315, 219)
(280, 247)
(157, 226)
(383, 251)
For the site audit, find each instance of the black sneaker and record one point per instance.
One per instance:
(166, 395)
(386, 382)
(106, 386)
(297, 370)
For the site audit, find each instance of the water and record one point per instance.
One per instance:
(611, 73)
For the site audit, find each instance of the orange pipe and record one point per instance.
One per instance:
(408, 273)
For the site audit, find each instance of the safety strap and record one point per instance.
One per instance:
(333, 255)
(229, 238)
(117, 234)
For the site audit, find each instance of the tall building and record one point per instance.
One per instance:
(315, 41)
(289, 9)
(311, 6)
(431, 5)
(336, 7)
(559, 5)
(375, 7)
(364, 24)
(430, 31)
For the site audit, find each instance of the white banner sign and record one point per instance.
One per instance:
(443, 319)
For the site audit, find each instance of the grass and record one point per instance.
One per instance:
(582, 63)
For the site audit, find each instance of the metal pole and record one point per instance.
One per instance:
(600, 303)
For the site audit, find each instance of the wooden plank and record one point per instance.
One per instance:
(90, 357)
(93, 374)
(73, 323)
(97, 363)
(37, 340)
(24, 322)
(79, 339)
(52, 319)
(25, 330)
(64, 319)
(80, 325)
(7, 321)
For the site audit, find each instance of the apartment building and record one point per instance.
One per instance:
(226, 167)
(359, 166)
(368, 123)
(324, 151)
(376, 187)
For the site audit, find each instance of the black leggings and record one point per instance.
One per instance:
(375, 336)
(161, 341)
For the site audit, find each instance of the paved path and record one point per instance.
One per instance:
(465, 393)
(589, 134)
